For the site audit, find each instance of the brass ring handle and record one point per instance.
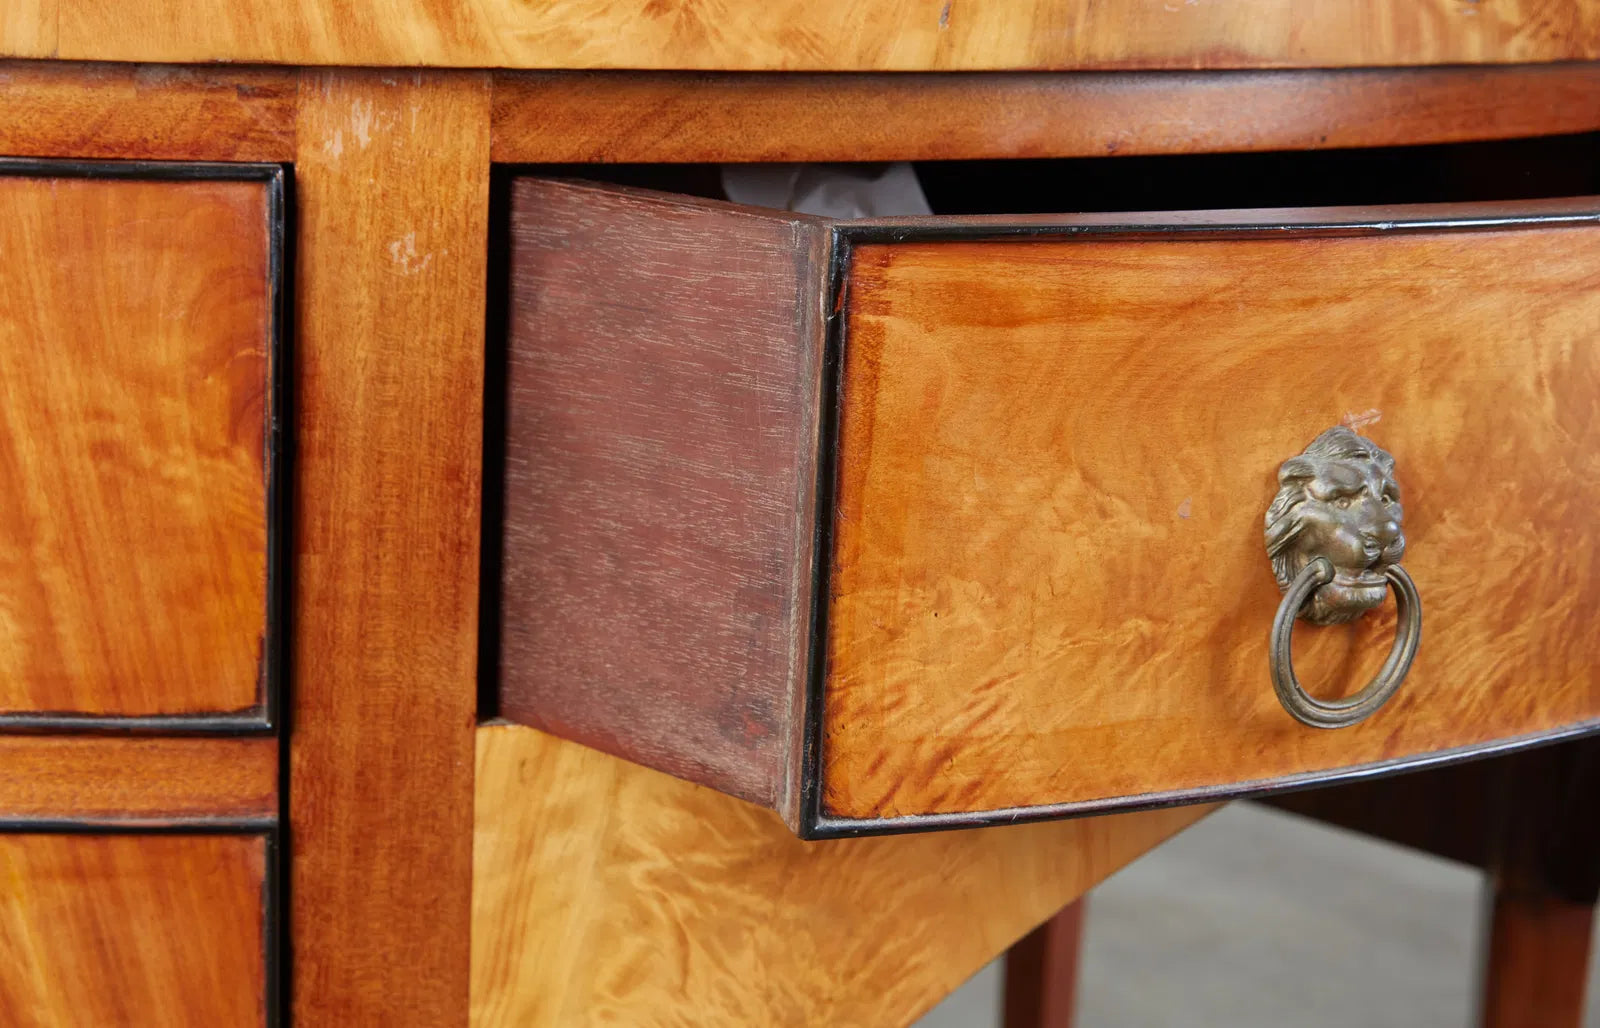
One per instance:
(1340, 713)
(1333, 535)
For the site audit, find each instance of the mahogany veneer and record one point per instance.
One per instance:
(133, 929)
(137, 321)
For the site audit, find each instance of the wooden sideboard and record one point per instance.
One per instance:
(252, 313)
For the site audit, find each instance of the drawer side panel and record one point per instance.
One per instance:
(663, 371)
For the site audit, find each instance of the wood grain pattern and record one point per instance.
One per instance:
(1049, 582)
(137, 781)
(241, 113)
(660, 479)
(133, 416)
(393, 185)
(28, 28)
(607, 893)
(125, 930)
(792, 35)
(554, 117)
(52, 109)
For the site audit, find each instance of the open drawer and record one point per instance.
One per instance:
(907, 524)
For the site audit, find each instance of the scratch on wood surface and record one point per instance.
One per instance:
(403, 252)
(1357, 421)
(361, 117)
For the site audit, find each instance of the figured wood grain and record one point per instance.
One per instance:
(1049, 583)
(606, 893)
(791, 35)
(134, 321)
(52, 109)
(125, 930)
(392, 177)
(661, 441)
(553, 117)
(137, 780)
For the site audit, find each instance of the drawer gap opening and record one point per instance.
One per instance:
(1517, 169)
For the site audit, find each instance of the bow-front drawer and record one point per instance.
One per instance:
(896, 525)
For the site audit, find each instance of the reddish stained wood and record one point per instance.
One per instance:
(137, 780)
(134, 324)
(99, 930)
(393, 182)
(155, 111)
(1537, 964)
(662, 418)
(1041, 983)
(610, 116)
(1545, 882)
(147, 112)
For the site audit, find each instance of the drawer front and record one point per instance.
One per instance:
(136, 358)
(976, 533)
(1049, 584)
(101, 930)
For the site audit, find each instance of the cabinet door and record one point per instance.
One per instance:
(107, 930)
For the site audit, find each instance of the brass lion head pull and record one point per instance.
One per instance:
(1333, 533)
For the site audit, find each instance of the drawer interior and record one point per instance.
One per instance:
(1516, 169)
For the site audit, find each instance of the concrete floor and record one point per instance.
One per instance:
(1260, 918)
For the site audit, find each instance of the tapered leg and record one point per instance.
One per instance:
(1042, 972)
(1537, 958)
(1544, 875)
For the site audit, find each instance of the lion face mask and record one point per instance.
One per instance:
(1337, 500)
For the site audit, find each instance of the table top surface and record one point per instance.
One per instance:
(804, 35)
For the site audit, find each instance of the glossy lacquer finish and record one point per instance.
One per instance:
(135, 359)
